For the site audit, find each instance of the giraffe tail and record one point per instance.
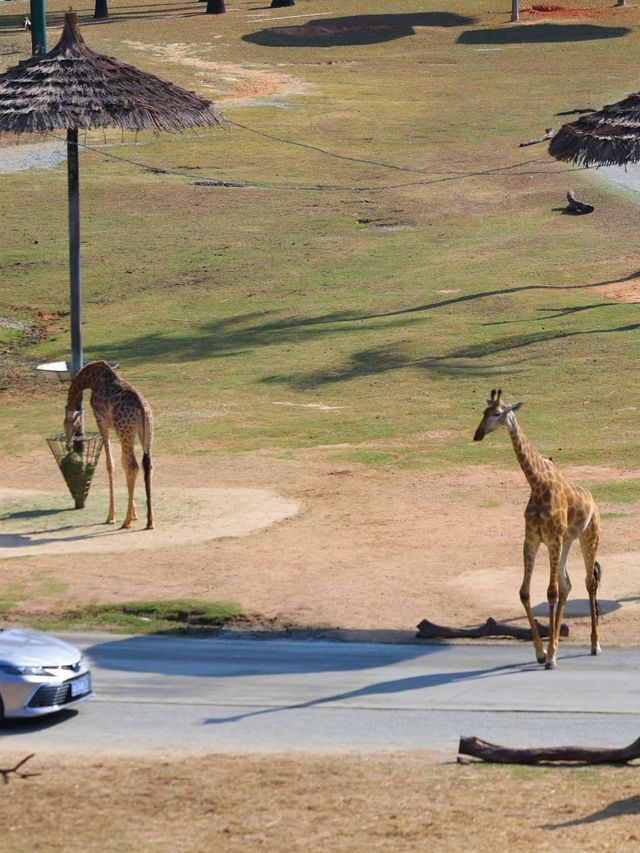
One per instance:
(146, 463)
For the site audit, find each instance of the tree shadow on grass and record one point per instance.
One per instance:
(466, 361)
(355, 29)
(541, 34)
(618, 808)
(234, 336)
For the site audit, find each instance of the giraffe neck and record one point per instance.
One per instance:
(91, 376)
(533, 464)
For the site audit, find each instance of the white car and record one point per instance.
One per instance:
(40, 674)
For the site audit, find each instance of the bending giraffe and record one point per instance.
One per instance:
(116, 405)
(558, 513)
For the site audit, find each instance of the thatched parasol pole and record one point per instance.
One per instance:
(101, 9)
(38, 28)
(73, 181)
(75, 290)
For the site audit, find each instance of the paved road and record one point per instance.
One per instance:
(189, 694)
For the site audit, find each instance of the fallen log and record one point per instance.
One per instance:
(585, 754)
(575, 206)
(429, 631)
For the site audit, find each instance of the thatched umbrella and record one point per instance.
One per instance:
(608, 137)
(73, 88)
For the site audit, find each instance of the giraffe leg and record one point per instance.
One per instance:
(130, 466)
(589, 543)
(111, 515)
(553, 597)
(531, 545)
(564, 585)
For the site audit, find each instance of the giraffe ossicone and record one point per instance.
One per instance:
(119, 406)
(558, 513)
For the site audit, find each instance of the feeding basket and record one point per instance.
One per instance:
(77, 464)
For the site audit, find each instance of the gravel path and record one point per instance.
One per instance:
(41, 155)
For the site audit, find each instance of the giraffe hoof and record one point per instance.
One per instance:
(150, 526)
(551, 664)
(541, 659)
(126, 525)
(596, 650)
(110, 521)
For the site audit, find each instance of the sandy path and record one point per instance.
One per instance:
(40, 523)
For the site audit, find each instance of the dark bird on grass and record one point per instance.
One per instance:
(575, 206)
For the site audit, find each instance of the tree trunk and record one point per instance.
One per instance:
(515, 10)
(215, 7)
(101, 10)
(589, 755)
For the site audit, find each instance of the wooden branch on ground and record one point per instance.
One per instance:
(546, 135)
(429, 631)
(575, 206)
(578, 111)
(5, 772)
(588, 755)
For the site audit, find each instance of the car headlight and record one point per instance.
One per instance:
(22, 670)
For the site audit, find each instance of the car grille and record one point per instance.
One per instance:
(50, 695)
(55, 694)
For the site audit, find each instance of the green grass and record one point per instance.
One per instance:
(253, 297)
(145, 617)
(13, 593)
(10, 597)
(625, 491)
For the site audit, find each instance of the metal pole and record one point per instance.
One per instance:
(515, 10)
(74, 253)
(74, 248)
(38, 28)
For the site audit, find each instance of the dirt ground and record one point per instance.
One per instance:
(390, 802)
(369, 550)
(365, 550)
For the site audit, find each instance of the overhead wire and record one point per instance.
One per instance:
(438, 176)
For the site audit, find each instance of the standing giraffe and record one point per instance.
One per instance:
(558, 512)
(116, 405)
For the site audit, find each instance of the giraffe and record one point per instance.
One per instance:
(116, 405)
(558, 513)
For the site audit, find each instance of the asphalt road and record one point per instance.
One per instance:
(221, 695)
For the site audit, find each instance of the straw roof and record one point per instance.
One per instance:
(608, 137)
(73, 87)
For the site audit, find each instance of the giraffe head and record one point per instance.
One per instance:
(495, 415)
(72, 424)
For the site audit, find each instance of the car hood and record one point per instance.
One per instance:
(22, 647)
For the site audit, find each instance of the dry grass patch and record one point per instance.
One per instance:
(336, 803)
